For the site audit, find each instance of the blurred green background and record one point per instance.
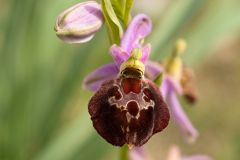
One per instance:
(43, 109)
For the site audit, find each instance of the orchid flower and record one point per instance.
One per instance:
(79, 23)
(177, 81)
(127, 108)
(138, 153)
(137, 30)
(172, 86)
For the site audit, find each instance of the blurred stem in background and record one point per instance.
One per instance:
(39, 75)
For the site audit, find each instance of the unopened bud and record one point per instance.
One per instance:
(79, 23)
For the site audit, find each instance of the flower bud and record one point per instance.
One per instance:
(79, 23)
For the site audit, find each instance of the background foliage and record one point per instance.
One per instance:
(43, 109)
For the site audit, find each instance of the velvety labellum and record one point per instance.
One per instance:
(128, 110)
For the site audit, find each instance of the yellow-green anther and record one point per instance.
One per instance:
(174, 63)
(180, 47)
(136, 54)
(134, 61)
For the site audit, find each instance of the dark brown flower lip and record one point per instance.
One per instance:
(122, 117)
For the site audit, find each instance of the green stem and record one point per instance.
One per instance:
(124, 153)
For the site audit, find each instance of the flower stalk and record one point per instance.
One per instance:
(124, 153)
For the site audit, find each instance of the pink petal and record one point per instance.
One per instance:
(175, 84)
(180, 117)
(174, 153)
(145, 53)
(138, 29)
(137, 153)
(118, 54)
(165, 87)
(197, 157)
(152, 70)
(95, 79)
(79, 23)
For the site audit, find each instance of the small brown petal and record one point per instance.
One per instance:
(188, 85)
